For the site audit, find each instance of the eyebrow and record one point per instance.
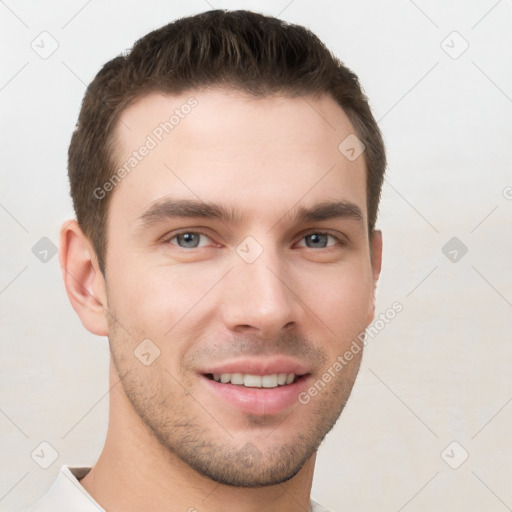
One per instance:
(169, 208)
(172, 208)
(328, 210)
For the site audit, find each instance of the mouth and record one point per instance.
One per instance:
(248, 380)
(256, 387)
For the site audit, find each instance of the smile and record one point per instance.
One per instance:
(255, 381)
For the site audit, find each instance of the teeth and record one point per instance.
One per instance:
(236, 378)
(252, 381)
(255, 381)
(269, 381)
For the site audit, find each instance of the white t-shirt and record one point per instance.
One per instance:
(67, 494)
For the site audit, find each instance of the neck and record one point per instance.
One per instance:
(135, 472)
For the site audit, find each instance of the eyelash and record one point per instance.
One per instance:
(338, 239)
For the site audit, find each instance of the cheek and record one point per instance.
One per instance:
(158, 302)
(342, 299)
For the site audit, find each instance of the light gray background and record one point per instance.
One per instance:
(438, 373)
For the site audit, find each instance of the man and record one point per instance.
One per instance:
(226, 176)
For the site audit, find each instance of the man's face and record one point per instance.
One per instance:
(223, 252)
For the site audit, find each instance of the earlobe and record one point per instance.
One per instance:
(85, 285)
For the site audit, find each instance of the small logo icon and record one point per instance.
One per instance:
(454, 455)
(44, 250)
(146, 352)
(454, 249)
(45, 45)
(44, 455)
(351, 147)
(249, 249)
(250, 454)
(454, 45)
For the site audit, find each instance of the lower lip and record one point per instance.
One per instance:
(258, 401)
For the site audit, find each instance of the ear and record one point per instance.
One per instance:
(376, 263)
(83, 279)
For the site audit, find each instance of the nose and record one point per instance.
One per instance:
(258, 298)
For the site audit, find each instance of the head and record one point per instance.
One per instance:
(223, 228)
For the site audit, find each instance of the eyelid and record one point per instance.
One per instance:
(170, 236)
(340, 237)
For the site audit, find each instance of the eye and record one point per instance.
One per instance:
(189, 240)
(319, 240)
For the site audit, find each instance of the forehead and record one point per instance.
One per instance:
(259, 155)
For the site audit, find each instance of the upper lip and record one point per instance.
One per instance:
(258, 366)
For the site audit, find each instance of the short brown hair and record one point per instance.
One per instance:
(251, 52)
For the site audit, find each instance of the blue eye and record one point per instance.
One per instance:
(188, 240)
(319, 240)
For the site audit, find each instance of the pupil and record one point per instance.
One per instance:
(317, 240)
(189, 239)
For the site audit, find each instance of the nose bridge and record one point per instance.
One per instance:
(259, 295)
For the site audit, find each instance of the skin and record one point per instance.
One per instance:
(172, 444)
